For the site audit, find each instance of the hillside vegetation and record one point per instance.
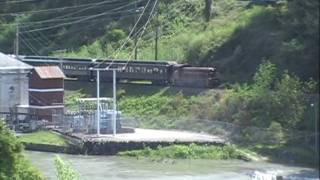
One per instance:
(225, 34)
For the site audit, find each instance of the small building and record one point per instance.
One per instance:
(46, 92)
(14, 84)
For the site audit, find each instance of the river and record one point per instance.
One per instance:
(120, 168)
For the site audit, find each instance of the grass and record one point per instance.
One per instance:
(191, 151)
(43, 137)
(283, 153)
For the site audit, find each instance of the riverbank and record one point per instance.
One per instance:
(178, 144)
(121, 168)
(156, 144)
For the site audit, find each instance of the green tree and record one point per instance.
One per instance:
(12, 163)
(268, 99)
(288, 101)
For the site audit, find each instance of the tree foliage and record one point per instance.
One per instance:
(269, 99)
(13, 164)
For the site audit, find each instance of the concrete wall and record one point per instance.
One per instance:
(13, 90)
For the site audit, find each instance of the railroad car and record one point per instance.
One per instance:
(157, 72)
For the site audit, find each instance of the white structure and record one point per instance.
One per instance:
(14, 83)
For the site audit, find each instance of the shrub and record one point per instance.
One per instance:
(275, 134)
(13, 165)
(64, 170)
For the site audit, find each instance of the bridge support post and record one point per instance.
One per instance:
(114, 118)
(98, 102)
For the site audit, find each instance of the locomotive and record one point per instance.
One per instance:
(158, 72)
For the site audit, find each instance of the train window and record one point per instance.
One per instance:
(149, 71)
(143, 70)
(138, 69)
(81, 68)
(131, 70)
(156, 69)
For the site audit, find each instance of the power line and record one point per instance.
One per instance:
(56, 9)
(36, 39)
(72, 18)
(73, 13)
(44, 40)
(74, 22)
(15, 2)
(144, 29)
(28, 24)
(27, 44)
(127, 39)
(92, 23)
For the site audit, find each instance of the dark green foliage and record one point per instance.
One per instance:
(58, 36)
(287, 35)
(268, 99)
(71, 99)
(12, 163)
(191, 151)
(295, 153)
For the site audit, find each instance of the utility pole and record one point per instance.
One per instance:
(16, 42)
(156, 43)
(136, 36)
(157, 37)
(114, 120)
(98, 102)
(315, 126)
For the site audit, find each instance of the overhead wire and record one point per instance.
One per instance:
(14, 2)
(62, 18)
(78, 21)
(143, 30)
(27, 44)
(73, 13)
(54, 9)
(38, 38)
(88, 18)
(92, 23)
(128, 37)
(29, 24)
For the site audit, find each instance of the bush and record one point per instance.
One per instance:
(191, 151)
(275, 133)
(268, 99)
(13, 165)
(65, 172)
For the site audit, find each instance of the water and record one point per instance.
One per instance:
(120, 168)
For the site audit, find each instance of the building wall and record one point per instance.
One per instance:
(13, 90)
(45, 94)
(37, 83)
(46, 98)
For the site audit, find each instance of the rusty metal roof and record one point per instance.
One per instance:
(49, 72)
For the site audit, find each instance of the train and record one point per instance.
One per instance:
(168, 73)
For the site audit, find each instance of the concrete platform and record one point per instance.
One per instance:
(107, 144)
(151, 135)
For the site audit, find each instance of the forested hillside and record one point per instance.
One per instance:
(229, 34)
